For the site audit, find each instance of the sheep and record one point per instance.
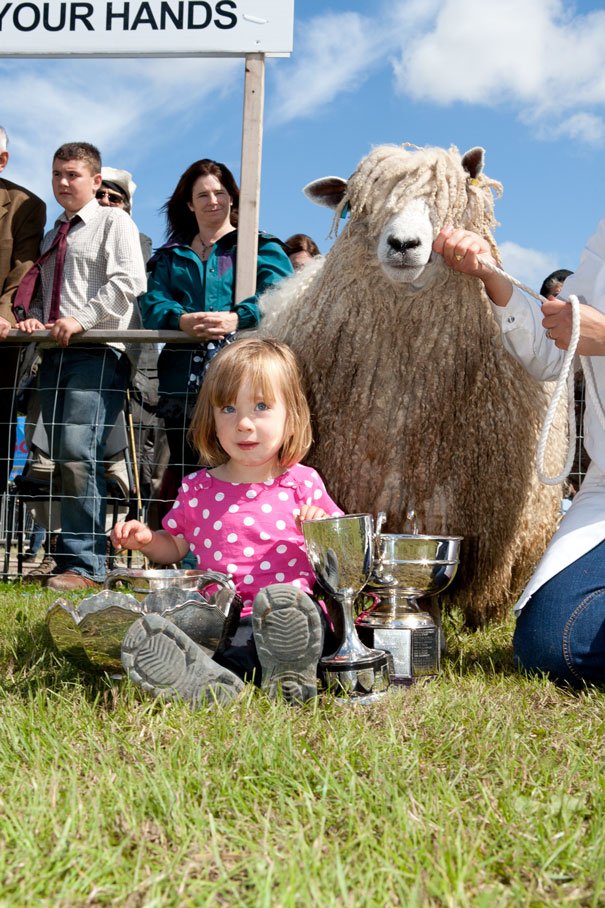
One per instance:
(416, 404)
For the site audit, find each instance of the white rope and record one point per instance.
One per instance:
(566, 377)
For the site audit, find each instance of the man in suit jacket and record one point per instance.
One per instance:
(22, 219)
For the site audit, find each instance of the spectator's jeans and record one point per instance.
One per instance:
(81, 395)
(561, 630)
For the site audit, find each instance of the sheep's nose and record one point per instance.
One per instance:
(402, 245)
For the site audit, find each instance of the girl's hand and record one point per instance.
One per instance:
(310, 512)
(131, 534)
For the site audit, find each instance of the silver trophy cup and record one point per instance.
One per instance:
(340, 552)
(406, 568)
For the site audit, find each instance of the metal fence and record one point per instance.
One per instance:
(139, 484)
(134, 460)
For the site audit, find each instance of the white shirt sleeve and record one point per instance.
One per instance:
(125, 271)
(525, 339)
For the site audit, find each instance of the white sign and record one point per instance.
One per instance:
(154, 28)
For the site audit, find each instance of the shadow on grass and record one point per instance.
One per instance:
(29, 663)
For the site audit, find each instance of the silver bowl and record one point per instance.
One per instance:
(91, 632)
(417, 565)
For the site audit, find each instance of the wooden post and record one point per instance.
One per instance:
(252, 140)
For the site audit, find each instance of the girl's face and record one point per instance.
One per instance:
(251, 432)
(210, 202)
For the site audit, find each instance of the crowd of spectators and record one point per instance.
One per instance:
(94, 270)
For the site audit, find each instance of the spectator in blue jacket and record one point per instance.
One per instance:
(191, 287)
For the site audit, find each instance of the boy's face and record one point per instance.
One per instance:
(74, 184)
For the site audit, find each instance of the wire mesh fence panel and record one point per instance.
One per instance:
(92, 449)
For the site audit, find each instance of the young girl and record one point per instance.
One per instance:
(241, 515)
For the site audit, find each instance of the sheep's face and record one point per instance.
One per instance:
(405, 244)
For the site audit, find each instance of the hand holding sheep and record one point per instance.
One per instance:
(463, 251)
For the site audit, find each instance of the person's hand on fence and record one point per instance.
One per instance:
(64, 329)
(208, 325)
(131, 534)
(5, 327)
(30, 324)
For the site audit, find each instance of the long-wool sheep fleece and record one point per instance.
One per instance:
(415, 402)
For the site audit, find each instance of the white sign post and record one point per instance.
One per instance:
(169, 28)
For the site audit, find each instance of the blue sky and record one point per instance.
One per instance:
(523, 78)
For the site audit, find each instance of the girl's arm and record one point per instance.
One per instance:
(158, 546)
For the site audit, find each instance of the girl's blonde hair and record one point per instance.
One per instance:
(271, 369)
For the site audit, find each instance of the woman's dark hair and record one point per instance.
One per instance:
(552, 283)
(180, 220)
(301, 242)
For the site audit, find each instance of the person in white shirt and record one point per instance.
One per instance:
(560, 626)
(82, 389)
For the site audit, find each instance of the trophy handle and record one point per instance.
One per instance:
(378, 546)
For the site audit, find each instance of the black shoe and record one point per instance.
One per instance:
(289, 636)
(164, 661)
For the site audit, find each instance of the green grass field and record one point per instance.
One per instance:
(482, 788)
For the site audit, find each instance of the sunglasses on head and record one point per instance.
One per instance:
(111, 196)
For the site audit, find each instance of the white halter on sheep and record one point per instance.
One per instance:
(415, 402)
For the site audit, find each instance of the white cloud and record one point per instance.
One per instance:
(538, 54)
(334, 53)
(107, 102)
(582, 127)
(527, 265)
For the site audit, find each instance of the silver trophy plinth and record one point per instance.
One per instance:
(340, 552)
(406, 568)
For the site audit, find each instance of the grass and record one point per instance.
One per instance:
(482, 788)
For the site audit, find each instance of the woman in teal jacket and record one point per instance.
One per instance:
(191, 287)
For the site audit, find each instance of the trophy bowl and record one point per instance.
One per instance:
(139, 582)
(90, 633)
(418, 565)
(407, 567)
(340, 552)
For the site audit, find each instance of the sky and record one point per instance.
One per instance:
(523, 78)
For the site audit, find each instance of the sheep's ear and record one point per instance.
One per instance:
(328, 191)
(472, 161)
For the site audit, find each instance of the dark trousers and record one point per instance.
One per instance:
(239, 654)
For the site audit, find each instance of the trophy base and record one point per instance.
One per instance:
(413, 647)
(356, 681)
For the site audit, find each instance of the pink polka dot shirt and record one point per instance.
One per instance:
(249, 529)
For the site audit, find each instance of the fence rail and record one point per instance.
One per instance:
(97, 336)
